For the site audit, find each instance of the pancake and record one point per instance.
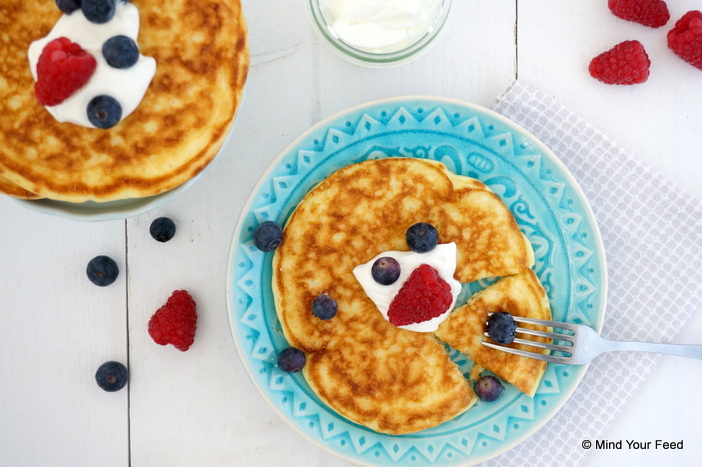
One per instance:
(521, 295)
(393, 382)
(375, 374)
(202, 58)
(9, 188)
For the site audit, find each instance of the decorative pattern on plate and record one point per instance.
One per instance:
(470, 140)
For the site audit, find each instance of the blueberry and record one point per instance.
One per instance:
(104, 111)
(68, 6)
(268, 236)
(162, 229)
(385, 270)
(111, 376)
(120, 52)
(291, 360)
(324, 307)
(422, 237)
(488, 388)
(98, 11)
(501, 328)
(102, 270)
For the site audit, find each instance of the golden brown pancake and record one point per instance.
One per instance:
(9, 188)
(201, 53)
(388, 379)
(521, 295)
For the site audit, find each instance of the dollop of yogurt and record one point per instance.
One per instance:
(127, 85)
(380, 26)
(442, 258)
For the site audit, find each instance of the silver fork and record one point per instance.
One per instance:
(583, 343)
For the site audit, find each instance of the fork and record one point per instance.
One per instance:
(582, 343)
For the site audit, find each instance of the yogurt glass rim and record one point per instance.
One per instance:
(372, 59)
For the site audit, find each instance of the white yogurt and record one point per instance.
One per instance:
(380, 26)
(127, 85)
(442, 258)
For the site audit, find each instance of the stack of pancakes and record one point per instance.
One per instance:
(389, 379)
(202, 60)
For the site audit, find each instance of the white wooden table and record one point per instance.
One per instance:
(199, 407)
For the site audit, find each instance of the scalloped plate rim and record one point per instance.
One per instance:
(402, 101)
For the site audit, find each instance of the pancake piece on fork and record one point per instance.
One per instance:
(520, 295)
(389, 379)
(202, 59)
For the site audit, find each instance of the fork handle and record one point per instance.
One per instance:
(680, 350)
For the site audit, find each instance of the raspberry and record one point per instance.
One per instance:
(63, 68)
(652, 13)
(424, 296)
(175, 322)
(685, 39)
(625, 63)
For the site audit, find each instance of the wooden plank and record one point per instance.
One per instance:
(56, 328)
(473, 59)
(657, 118)
(199, 407)
(656, 122)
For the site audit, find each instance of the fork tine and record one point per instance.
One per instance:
(541, 345)
(547, 323)
(544, 345)
(547, 335)
(524, 353)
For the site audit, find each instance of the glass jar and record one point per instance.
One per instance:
(368, 40)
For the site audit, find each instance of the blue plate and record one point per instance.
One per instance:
(550, 209)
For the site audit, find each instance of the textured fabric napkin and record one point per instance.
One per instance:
(652, 234)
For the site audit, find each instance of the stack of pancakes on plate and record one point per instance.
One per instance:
(202, 60)
(389, 379)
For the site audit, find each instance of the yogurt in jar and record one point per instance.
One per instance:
(442, 258)
(380, 26)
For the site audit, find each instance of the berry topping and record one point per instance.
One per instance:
(422, 237)
(268, 236)
(424, 296)
(175, 322)
(625, 63)
(104, 111)
(291, 360)
(652, 13)
(324, 307)
(488, 388)
(102, 270)
(111, 376)
(385, 270)
(685, 39)
(62, 69)
(501, 328)
(162, 229)
(68, 6)
(120, 52)
(98, 11)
